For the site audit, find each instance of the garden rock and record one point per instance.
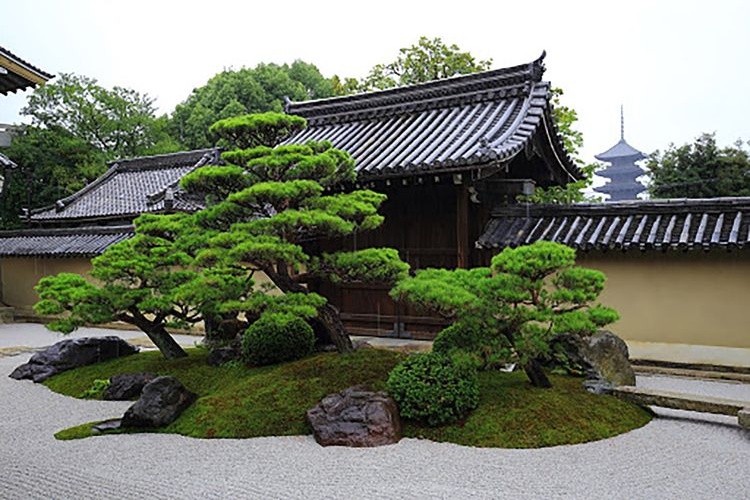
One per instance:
(604, 357)
(221, 355)
(72, 353)
(127, 386)
(162, 401)
(355, 417)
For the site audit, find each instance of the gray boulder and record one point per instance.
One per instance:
(127, 386)
(355, 417)
(222, 355)
(161, 402)
(604, 357)
(72, 353)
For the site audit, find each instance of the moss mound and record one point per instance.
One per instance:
(241, 402)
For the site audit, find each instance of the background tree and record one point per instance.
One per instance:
(248, 90)
(527, 296)
(270, 207)
(700, 170)
(119, 122)
(427, 60)
(51, 164)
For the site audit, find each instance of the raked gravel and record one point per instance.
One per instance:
(680, 455)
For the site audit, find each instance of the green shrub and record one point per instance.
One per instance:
(485, 349)
(277, 337)
(434, 388)
(96, 390)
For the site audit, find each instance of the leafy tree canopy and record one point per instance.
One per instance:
(248, 90)
(119, 122)
(427, 60)
(51, 164)
(700, 170)
(527, 296)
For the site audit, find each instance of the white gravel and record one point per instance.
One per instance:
(683, 455)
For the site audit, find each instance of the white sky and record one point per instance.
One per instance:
(679, 67)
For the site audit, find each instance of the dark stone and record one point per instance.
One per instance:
(108, 425)
(355, 417)
(218, 357)
(127, 386)
(603, 357)
(361, 344)
(162, 401)
(72, 353)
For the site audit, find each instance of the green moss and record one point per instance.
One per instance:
(513, 414)
(242, 402)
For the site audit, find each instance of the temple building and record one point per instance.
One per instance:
(452, 156)
(622, 171)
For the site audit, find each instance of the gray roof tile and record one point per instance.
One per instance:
(67, 242)
(677, 224)
(446, 125)
(130, 187)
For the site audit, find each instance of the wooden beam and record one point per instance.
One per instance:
(462, 227)
(21, 71)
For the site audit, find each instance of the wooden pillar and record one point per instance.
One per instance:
(462, 227)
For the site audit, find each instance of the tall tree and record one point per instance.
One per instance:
(270, 206)
(119, 122)
(700, 170)
(51, 164)
(248, 90)
(527, 296)
(427, 60)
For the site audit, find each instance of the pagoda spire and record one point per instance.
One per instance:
(622, 171)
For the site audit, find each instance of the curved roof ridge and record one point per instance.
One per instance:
(507, 81)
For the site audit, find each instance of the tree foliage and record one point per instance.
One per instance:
(248, 90)
(270, 225)
(526, 297)
(427, 60)
(150, 281)
(700, 170)
(51, 164)
(119, 122)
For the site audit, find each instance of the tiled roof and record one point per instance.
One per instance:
(621, 150)
(130, 187)
(677, 224)
(20, 75)
(441, 126)
(6, 162)
(67, 242)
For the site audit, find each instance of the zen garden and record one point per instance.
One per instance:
(507, 372)
(411, 255)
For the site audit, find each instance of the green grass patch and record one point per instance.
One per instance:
(513, 414)
(241, 402)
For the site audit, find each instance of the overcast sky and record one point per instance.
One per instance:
(679, 67)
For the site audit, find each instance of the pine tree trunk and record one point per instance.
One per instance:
(331, 319)
(167, 345)
(161, 338)
(536, 374)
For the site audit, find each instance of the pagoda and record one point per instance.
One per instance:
(622, 171)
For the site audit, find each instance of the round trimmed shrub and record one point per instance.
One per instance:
(277, 337)
(485, 349)
(434, 388)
